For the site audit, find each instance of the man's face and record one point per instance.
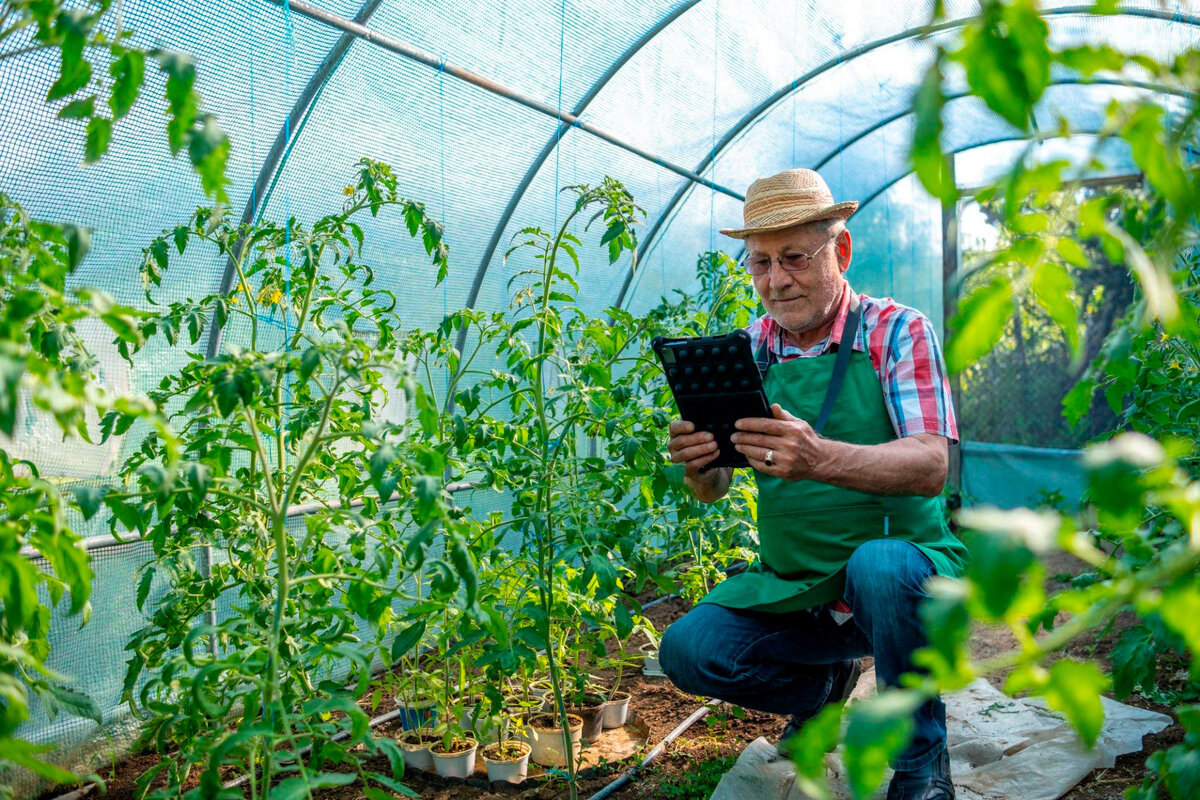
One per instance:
(800, 301)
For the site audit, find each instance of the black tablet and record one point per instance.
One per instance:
(715, 382)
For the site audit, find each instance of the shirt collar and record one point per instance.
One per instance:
(784, 347)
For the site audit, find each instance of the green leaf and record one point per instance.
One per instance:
(99, 132)
(18, 587)
(879, 729)
(143, 590)
(84, 108)
(1077, 401)
(1074, 688)
(208, 148)
(74, 703)
(308, 363)
(979, 324)
(1072, 253)
(128, 71)
(1180, 610)
(298, 788)
(79, 242)
(407, 639)
(1134, 661)
(931, 165)
(24, 754)
(1006, 58)
(1054, 288)
(181, 100)
(24, 304)
(89, 499)
(74, 26)
(382, 477)
(1090, 60)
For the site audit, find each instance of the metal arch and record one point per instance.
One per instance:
(1155, 87)
(1039, 135)
(555, 138)
(912, 33)
(281, 147)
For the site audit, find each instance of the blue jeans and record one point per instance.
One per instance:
(784, 663)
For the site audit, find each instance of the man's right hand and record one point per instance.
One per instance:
(696, 450)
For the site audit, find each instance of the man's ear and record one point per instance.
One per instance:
(845, 248)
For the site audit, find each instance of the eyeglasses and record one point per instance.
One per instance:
(791, 262)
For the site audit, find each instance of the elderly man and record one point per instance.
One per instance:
(849, 471)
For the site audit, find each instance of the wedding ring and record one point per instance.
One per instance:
(770, 458)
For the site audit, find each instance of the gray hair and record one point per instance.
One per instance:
(829, 227)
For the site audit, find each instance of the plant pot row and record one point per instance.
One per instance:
(540, 741)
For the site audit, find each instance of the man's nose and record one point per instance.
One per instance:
(778, 275)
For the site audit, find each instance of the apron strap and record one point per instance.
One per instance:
(849, 333)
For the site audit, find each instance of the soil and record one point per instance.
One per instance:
(725, 732)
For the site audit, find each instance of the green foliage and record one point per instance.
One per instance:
(45, 368)
(699, 780)
(1138, 530)
(269, 424)
(77, 34)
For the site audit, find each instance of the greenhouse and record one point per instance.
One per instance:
(401, 399)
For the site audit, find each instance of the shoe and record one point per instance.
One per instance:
(928, 783)
(844, 681)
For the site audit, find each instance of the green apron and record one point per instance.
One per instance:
(807, 530)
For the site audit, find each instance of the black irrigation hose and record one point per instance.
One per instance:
(626, 776)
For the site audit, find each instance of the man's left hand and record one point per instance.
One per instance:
(796, 450)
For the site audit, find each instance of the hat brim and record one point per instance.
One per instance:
(787, 219)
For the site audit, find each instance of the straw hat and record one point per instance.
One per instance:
(793, 197)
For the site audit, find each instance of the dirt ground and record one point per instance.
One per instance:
(724, 734)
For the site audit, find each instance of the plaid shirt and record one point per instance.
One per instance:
(904, 351)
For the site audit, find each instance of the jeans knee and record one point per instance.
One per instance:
(687, 655)
(887, 569)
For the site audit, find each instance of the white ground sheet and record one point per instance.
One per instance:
(1000, 748)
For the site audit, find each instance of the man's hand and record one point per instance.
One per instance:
(912, 465)
(797, 452)
(696, 450)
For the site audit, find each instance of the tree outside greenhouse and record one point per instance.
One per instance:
(376, 540)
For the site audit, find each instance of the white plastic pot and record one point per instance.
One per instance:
(512, 770)
(616, 711)
(548, 740)
(650, 665)
(416, 754)
(454, 765)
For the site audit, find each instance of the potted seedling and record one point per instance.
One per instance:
(618, 629)
(548, 742)
(507, 759)
(454, 752)
(418, 716)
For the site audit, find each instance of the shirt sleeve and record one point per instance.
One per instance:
(915, 384)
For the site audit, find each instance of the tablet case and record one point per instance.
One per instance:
(715, 382)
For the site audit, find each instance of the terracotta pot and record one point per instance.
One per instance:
(416, 750)
(504, 767)
(457, 764)
(616, 710)
(547, 743)
(592, 714)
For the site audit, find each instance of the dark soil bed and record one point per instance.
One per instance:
(711, 744)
